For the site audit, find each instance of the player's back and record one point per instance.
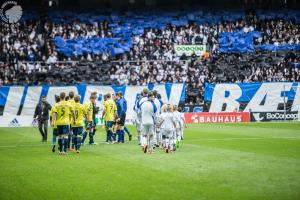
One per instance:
(79, 114)
(141, 101)
(148, 110)
(63, 111)
(88, 106)
(121, 106)
(71, 103)
(169, 120)
(110, 109)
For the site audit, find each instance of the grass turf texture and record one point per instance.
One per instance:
(215, 161)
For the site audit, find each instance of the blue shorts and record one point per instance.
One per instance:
(77, 130)
(109, 124)
(63, 129)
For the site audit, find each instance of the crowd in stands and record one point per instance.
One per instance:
(152, 58)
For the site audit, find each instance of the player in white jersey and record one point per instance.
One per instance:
(168, 125)
(158, 103)
(148, 112)
(138, 104)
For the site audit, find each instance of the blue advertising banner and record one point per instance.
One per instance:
(258, 97)
(17, 103)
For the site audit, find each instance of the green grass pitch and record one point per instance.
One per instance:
(215, 161)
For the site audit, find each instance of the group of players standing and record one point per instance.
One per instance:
(73, 121)
(68, 117)
(157, 124)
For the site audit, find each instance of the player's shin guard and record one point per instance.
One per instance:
(178, 134)
(84, 136)
(154, 141)
(74, 142)
(122, 135)
(109, 135)
(60, 143)
(114, 136)
(91, 137)
(159, 139)
(78, 142)
(143, 140)
(167, 142)
(69, 140)
(54, 140)
(118, 133)
(73, 138)
(150, 142)
(65, 143)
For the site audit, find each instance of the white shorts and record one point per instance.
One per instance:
(168, 133)
(148, 129)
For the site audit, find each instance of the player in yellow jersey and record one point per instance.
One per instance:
(109, 115)
(79, 115)
(89, 106)
(114, 127)
(70, 136)
(57, 99)
(61, 117)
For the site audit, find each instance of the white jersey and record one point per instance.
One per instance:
(177, 118)
(169, 120)
(138, 110)
(147, 110)
(142, 100)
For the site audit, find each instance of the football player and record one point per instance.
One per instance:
(61, 117)
(79, 115)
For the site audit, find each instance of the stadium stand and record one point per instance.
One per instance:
(138, 48)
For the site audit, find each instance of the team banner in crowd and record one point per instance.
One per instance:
(220, 117)
(253, 97)
(188, 50)
(274, 116)
(17, 103)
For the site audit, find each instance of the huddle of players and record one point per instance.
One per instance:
(68, 119)
(158, 124)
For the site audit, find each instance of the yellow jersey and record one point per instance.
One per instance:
(64, 112)
(71, 103)
(89, 110)
(51, 114)
(79, 112)
(110, 109)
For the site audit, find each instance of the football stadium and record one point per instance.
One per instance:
(150, 99)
